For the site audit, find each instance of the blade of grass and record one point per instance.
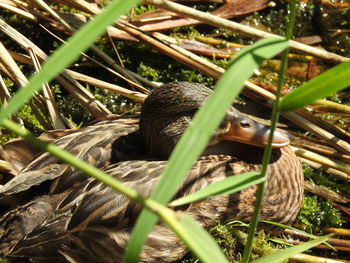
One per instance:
(67, 53)
(268, 149)
(295, 230)
(227, 186)
(200, 241)
(288, 252)
(320, 87)
(197, 135)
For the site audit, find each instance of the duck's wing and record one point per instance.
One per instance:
(18, 153)
(94, 222)
(92, 144)
(82, 216)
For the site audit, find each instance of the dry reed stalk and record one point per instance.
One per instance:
(303, 237)
(51, 105)
(95, 49)
(17, 11)
(166, 49)
(331, 153)
(321, 160)
(338, 231)
(339, 174)
(134, 95)
(5, 95)
(295, 117)
(322, 124)
(329, 137)
(215, 41)
(171, 42)
(100, 53)
(17, 76)
(79, 92)
(236, 27)
(80, 5)
(330, 105)
(322, 247)
(324, 192)
(134, 84)
(304, 258)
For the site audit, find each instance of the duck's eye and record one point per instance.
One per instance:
(245, 124)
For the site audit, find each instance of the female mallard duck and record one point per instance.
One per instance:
(82, 220)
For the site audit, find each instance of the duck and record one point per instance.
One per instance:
(79, 219)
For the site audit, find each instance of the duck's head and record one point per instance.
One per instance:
(169, 109)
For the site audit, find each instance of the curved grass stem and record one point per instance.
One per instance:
(268, 149)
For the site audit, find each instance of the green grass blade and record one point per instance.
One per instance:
(295, 230)
(288, 252)
(68, 52)
(227, 186)
(201, 243)
(322, 86)
(268, 149)
(197, 135)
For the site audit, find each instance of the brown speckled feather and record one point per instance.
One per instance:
(92, 144)
(96, 218)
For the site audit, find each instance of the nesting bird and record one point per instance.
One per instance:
(78, 219)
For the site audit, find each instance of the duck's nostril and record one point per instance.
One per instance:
(245, 124)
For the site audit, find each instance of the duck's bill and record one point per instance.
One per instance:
(247, 131)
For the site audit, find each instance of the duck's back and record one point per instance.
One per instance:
(99, 145)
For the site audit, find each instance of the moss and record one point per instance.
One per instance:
(6, 136)
(231, 239)
(26, 115)
(227, 237)
(140, 9)
(322, 178)
(317, 214)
